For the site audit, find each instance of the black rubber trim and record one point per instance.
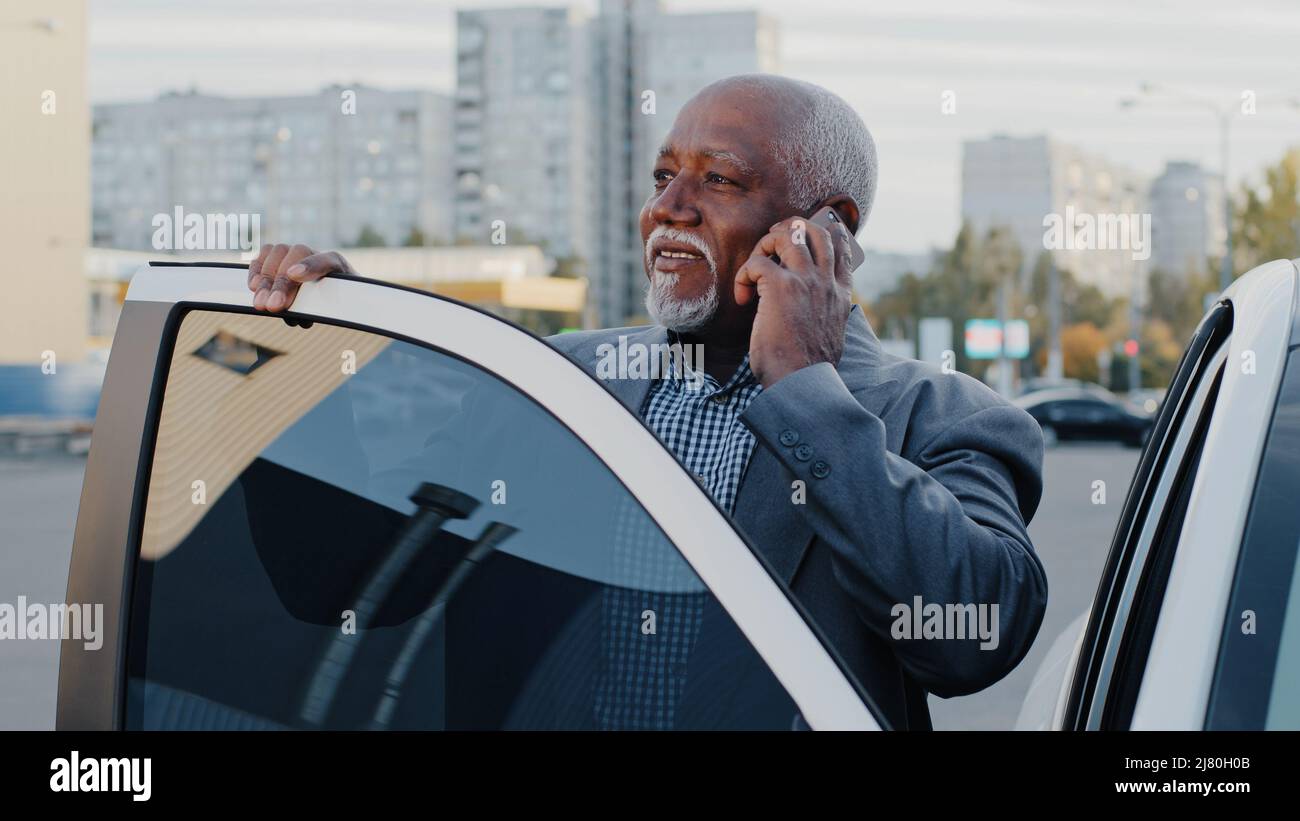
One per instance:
(1149, 596)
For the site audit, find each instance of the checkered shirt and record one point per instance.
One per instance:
(644, 674)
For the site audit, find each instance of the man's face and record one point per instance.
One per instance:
(717, 191)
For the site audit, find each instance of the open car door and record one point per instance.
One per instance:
(386, 509)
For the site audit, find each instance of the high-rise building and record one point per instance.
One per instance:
(522, 156)
(45, 147)
(648, 63)
(558, 118)
(318, 169)
(1187, 225)
(1018, 182)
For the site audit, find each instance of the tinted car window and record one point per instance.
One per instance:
(344, 530)
(1144, 508)
(1257, 679)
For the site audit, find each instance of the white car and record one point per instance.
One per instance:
(282, 536)
(1196, 622)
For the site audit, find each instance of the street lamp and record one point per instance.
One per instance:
(1223, 114)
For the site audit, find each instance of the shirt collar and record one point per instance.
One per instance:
(742, 377)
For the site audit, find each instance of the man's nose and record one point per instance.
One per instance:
(675, 205)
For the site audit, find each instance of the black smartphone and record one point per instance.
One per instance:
(826, 217)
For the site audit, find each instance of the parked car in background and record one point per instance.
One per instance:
(1043, 383)
(1082, 413)
(1196, 620)
(1145, 401)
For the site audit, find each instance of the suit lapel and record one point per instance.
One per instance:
(765, 511)
(632, 392)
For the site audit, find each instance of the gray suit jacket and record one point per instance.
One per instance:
(932, 481)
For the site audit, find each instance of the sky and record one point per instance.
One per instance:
(1018, 67)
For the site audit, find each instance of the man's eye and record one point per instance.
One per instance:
(717, 178)
(662, 177)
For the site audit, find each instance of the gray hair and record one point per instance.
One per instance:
(828, 151)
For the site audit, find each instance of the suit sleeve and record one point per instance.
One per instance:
(948, 525)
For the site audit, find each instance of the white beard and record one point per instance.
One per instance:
(681, 315)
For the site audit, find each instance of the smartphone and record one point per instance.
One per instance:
(827, 217)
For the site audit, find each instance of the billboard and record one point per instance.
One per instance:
(986, 339)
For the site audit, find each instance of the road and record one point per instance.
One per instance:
(38, 507)
(1072, 536)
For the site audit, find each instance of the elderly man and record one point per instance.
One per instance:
(877, 487)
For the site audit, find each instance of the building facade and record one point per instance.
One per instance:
(319, 169)
(44, 197)
(521, 152)
(1187, 223)
(1019, 182)
(559, 116)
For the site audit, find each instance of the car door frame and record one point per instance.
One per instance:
(107, 537)
(1178, 661)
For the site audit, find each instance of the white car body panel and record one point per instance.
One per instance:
(1044, 703)
(1180, 667)
(687, 516)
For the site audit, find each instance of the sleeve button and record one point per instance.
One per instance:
(804, 452)
(821, 469)
(789, 438)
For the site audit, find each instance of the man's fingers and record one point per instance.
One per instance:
(822, 247)
(255, 268)
(270, 267)
(843, 254)
(788, 240)
(312, 268)
(754, 271)
(284, 289)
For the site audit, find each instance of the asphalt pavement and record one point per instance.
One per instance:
(38, 507)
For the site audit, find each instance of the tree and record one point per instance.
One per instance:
(959, 286)
(1159, 352)
(1267, 225)
(415, 239)
(1080, 345)
(570, 267)
(1178, 301)
(369, 238)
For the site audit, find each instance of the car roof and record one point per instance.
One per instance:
(1029, 400)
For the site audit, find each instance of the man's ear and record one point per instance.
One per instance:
(846, 207)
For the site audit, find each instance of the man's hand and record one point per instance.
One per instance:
(279, 270)
(804, 300)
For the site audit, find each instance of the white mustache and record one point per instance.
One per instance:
(677, 235)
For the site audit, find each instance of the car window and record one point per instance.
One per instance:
(345, 530)
(1165, 526)
(1150, 522)
(1257, 674)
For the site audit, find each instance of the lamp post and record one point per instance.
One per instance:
(1223, 116)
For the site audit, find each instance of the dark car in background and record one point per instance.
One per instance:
(1078, 413)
